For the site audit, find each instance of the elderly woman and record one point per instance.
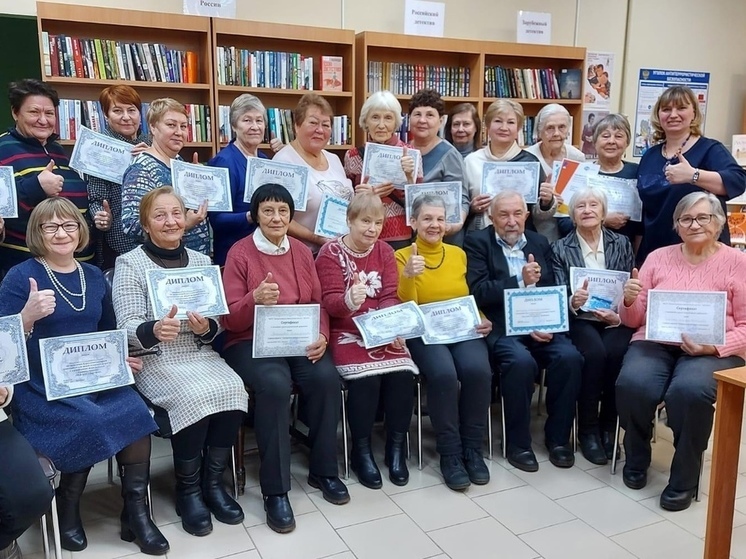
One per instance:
(269, 268)
(464, 128)
(121, 107)
(441, 162)
(58, 296)
(40, 166)
(683, 162)
(680, 373)
(380, 118)
(553, 125)
(459, 377)
(167, 120)
(312, 122)
(358, 274)
(596, 333)
(503, 121)
(203, 397)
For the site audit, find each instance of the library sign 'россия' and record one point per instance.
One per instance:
(212, 8)
(424, 18)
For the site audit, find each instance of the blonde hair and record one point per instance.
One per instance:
(365, 203)
(50, 208)
(501, 107)
(679, 96)
(159, 107)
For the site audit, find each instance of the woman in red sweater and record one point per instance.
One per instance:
(270, 268)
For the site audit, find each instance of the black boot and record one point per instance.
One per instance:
(222, 505)
(68, 494)
(195, 516)
(363, 464)
(396, 458)
(137, 526)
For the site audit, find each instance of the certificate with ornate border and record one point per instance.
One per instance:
(331, 220)
(264, 171)
(605, 287)
(381, 327)
(510, 175)
(13, 357)
(449, 191)
(84, 363)
(699, 314)
(382, 164)
(196, 183)
(100, 155)
(452, 321)
(543, 309)
(8, 194)
(285, 330)
(621, 195)
(198, 289)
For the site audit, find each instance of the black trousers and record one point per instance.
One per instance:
(25, 493)
(271, 380)
(397, 392)
(458, 415)
(518, 359)
(603, 350)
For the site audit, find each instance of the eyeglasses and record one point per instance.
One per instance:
(701, 219)
(67, 227)
(269, 213)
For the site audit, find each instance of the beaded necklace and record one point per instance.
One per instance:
(442, 259)
(678, 151)
(62, 289)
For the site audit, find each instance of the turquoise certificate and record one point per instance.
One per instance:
(522, 177)
(84, 363)
(13, 357)
(8, 195)
(331, 221)
(542, 309)
(382, 164)
(452, 321)
(100, 155)
(698, 314)
(605, 287)
(285, 330)
(265, 171)
(197, 289)
(197, 183)
(383, 326)
(449, 191)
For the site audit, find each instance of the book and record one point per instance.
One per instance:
(331, 73)
(737, 227)
(738, 149)
(570, 83)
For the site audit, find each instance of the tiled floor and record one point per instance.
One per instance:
(583, 512)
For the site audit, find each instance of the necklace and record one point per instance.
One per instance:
(442, 259)
(678, 152)
(62, 289)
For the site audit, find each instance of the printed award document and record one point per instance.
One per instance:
(383, 326)
(543, 309)
(197, 183)
(285, 330)
(197, 289)
(100, 155)
(698, 314)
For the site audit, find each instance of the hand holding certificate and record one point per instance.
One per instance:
(698, 314)
(521, 177)
(197, 289)
(13, 358)
(382, 164)
(452, 321)
(264, 171)
(8, 195)
(382, 327)
(622, 195)
(331, 220)
(285, 330)
(541, 309)
(572, 176)
(605, 287)
(100, 155)
(196, 183)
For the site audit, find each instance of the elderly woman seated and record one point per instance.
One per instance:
(680, 373)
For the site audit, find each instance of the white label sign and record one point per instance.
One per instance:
(534, 27)
(424, 18)
(213, 8)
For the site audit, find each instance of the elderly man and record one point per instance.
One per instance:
(506, 256)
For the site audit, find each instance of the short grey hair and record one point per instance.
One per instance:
(688, 201)
(586, 193)
(427, 200)
(507, 195)
(243, 104)
(614, 121)
(381, 101)
(543, 115)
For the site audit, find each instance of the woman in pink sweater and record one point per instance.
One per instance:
(680, 374)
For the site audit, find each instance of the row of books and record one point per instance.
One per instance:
(104, 59)
(407, 79)
(74, 113)
(532, 83)
(264, 68)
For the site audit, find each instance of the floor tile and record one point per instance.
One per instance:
(663, 539)
(395, 537)
(312, 538)
(657, 482)
(523, 509)
(224, 540)
(437, 507)
(252, 503)
(104, 541)
(574, 540)
(480, 538)
(738, 543)
(692, 519)
(556, 483)
(365, 505)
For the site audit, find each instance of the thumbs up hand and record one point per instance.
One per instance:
(357, 292)
(632, 288)
(531, 272)
(275, 144)
(580, 297)
(680, 172)
(103, 218)
(415, 264)
(167, 328)
(267, 292)
(50, 183)
(38, 305)
(407, 165)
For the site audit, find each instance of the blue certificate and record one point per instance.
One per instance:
(100, 155)
(699, 314)
(382, 164)
(197, 183)
(452, 321)
(285, 330)
(84, 363)
(382, 327)
(543, 309)
(521, 177)
(449, 191)
(197, 289)
(265, 171)
(605, 287)
(331, 220)
(13, 357)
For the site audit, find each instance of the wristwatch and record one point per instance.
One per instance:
(695, 176)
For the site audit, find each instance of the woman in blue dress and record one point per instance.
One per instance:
(57, 296)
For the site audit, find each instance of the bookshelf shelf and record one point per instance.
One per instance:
(88, 82)
(260, 91)
(542, 102)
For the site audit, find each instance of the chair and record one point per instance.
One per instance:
(52, 474)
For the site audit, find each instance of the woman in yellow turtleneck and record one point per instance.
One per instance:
(431, 271)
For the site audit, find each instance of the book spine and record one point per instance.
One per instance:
(69, 62)
(54, 55)
(47, 58)
(191, 67)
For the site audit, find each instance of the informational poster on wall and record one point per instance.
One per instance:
(211, 8)
(651, 84)
(424, 18)
(599, 75)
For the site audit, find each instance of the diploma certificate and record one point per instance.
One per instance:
(449, 191)
(383, 326)
(13, 357)
(621, 195)
(84, 363)
(331, 220)
(382, 164)
(285, 330)
(100, 155)
(197, 183)
(521, 177)
(198, 289)
(536, 308)
(264, 171)
(698, 314)
(605, 287)
(452, 321)
(8, 194)
(573, 176)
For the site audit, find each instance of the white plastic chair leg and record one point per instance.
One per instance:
(419, 425)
